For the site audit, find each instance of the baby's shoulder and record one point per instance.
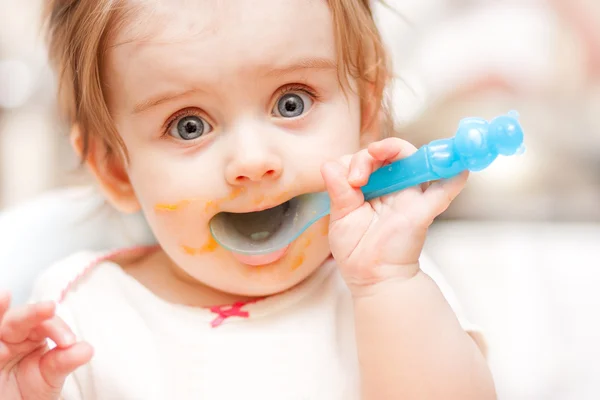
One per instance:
(60, 277)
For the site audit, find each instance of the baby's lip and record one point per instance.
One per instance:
(260, 208)
(276, 201)
(262, 259)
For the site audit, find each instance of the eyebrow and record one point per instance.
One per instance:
(161, 99)
(303, 64)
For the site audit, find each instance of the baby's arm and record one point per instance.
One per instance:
(410, 342)
(412, 346)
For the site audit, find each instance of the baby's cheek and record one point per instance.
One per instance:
(180, 225)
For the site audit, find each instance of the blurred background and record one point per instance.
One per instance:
(520, 245)
(454, 58)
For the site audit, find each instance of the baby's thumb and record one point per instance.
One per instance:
(58, 363)
(344, 198)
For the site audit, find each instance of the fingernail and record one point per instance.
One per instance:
(48, 304)
(68, 338)
(354, 175)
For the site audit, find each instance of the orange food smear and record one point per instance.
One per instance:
(236, 193)
(282, 197)
(210, 205)
(214, 204)
(259, 199)
(210, 246)
(171, 207)
(300, 259)
(297, 262)
(189, 250)
(166, 207)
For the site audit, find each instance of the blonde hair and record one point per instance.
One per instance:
(79, 33)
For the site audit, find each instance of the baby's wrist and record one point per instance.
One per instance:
(386, 278)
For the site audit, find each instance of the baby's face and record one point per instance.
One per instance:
(230, 106)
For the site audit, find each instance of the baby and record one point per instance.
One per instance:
(186, 109)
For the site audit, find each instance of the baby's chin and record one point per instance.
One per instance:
(267, 280)
(305, 255)
(265, 289)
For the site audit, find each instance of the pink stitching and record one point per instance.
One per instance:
(70, 285)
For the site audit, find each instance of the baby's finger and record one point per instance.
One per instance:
(55, 329)
(18, 323)
(440, 194)
(4, 304)
(58, 363)
(345, 160)
(362, 166)
(4, 354)
(391, 149)
(344, 198)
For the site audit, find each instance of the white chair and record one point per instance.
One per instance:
(42, 231)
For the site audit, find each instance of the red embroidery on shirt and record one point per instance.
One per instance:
(224, 312)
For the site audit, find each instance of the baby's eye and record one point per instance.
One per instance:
(189, 127)
(292, 104)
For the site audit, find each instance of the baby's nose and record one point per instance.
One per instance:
(253, 168)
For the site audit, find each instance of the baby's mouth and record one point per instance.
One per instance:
(263, 230)
(259, 225)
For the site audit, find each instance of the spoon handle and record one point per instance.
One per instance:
(475, 146)
(410, 171)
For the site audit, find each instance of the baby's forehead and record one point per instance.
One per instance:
(241, 24)
(208, 37)
(213, 42)
(155, 21)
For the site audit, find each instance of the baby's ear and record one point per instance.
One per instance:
(369, 136)
(109, 171)
(370, 116)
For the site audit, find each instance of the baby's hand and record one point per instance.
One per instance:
(381, 239)
(28, 369)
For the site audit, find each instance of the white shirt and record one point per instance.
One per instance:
(296, 345)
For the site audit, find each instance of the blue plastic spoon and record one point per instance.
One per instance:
(476, 145)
